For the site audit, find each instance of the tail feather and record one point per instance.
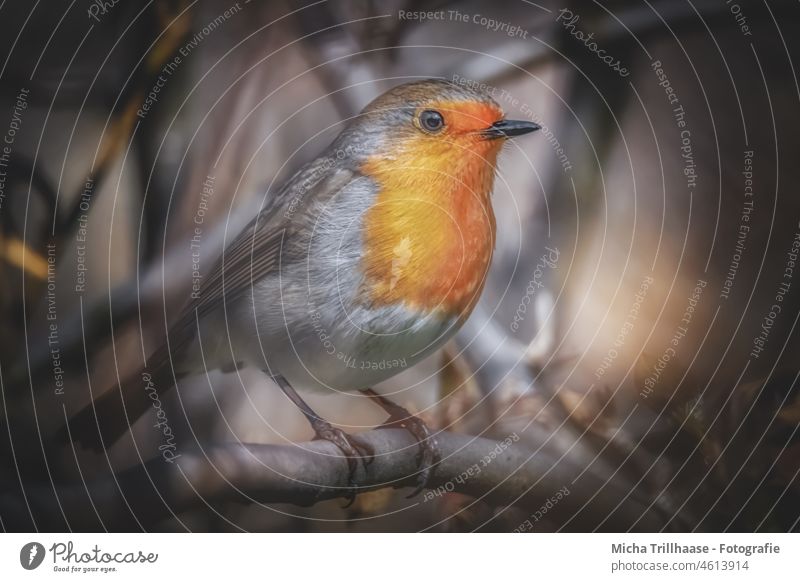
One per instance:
(103, 421)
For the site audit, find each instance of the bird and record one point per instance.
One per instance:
(367, 260)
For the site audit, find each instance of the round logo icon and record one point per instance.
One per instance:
(31, 555)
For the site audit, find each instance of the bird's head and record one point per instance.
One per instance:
(435, 123)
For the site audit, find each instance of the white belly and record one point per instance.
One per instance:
(349, 352)
(347, 356)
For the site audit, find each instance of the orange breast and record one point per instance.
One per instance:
(429, 238)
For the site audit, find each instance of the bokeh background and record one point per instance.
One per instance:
(639, 322)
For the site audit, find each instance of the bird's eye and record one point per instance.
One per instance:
(431, 120)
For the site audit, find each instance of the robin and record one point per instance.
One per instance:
(366, 261)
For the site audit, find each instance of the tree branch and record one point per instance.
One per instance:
(307, 473)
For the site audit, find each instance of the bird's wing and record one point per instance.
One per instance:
(256, 251)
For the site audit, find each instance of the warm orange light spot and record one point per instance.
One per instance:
(429, 237)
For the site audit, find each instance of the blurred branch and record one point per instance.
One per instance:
(308, 473)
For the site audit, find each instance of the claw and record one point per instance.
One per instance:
(352, 448)
(428, 455)
(348, 444)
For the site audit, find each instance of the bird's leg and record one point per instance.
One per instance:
(429, 455)
(348, 444)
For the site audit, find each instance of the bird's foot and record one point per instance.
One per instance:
(353, 450)
(428, 455)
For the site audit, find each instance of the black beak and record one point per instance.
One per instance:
(509, 128)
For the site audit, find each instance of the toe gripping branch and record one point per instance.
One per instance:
(354, 450)
(429, 455)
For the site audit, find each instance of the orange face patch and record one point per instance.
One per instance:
(428, 239)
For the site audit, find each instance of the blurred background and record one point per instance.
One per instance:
(638, 326)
